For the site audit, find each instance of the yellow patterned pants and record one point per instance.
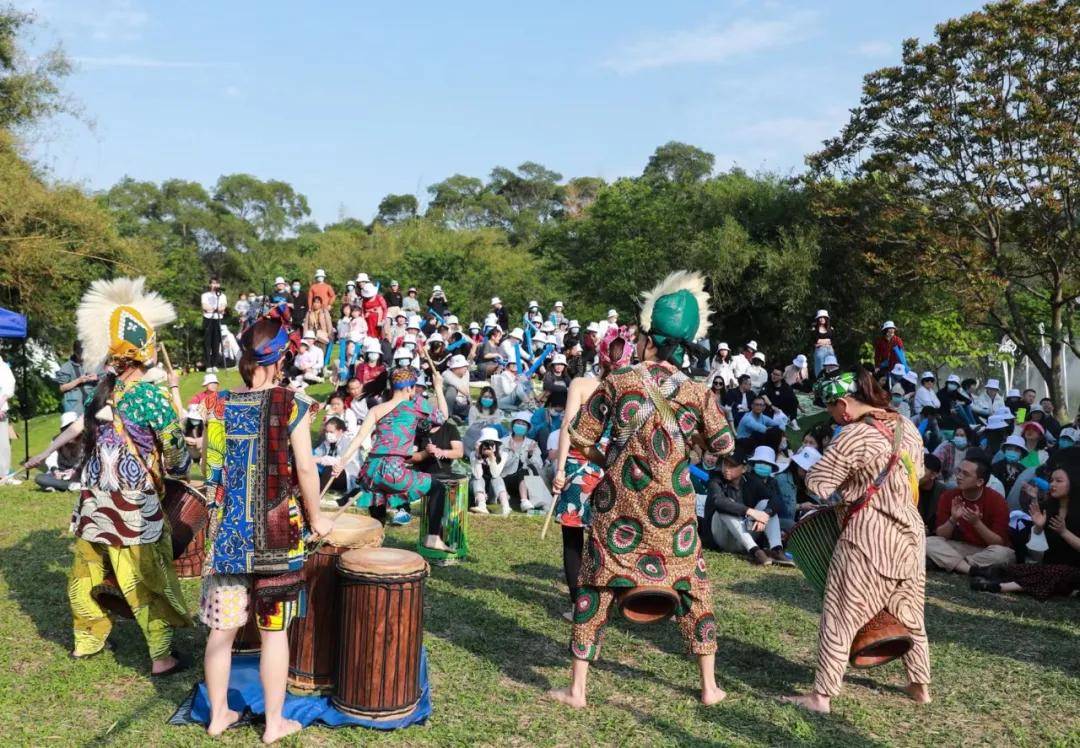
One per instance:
(148, 582)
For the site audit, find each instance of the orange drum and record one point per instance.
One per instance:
(380, 632)
(185, 507)
(109, 596)
(313, 638)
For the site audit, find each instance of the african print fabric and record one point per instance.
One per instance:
(644, 520)
(582, 478)
(387, 477)
(227, 602)
(145, 577)
(257, 525)
(120, 503)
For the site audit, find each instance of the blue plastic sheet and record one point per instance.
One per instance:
(246, 698)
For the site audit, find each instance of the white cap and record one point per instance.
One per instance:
(1015, 441)
(996, 422)
(764, 454)
(911, 377)
(70, 417)
(413, 323)
(320, 273)
(887, 325)
(279, 281)
(593, 327)
(1013, 393)
(1069, 433)
(723, 347)
(350, 283)
(436, 289)
(435, 338)
(458, 362)
(372, 345)
(368, 291)
(993, 384)
(752, 345)
(830, 360)
(451, 320)
(548, 326)
(488, 434)
(612, 313)
(194, 413)
(474, 325)
(558, 358)
(574, 324)
(558, 305)
(806, 457)
(927, 375)
(495, 300)
(898, 370)
(522, 415)
(534, 303)
(822, 313)
(308, 335)
(518, 333)
(799, 361)
(362, 278)
(953, 379)
(209, 379)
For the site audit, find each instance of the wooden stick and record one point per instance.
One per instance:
(555, 499)
(174, 395)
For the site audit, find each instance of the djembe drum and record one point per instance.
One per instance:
(313, 638)
(248, 639)
(185, 507)
(455, 516)
(648, 603)
(380, 632)
(811, 542)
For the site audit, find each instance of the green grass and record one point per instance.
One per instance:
(1006, 669)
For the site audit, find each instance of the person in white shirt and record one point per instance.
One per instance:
(214, 304)
(759, 375)
(512, 342)
(522, 459)
(741, 364)
(7, 392)
(989, 400)
(241, 306)
(722, 368)
(488, 461)
(511, 390)
(926, 395)
(309, 362)
(456, 386)
(328, 454)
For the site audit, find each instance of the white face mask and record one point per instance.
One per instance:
(373, 358)
(332, 437)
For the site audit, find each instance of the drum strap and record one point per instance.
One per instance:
(896, 437)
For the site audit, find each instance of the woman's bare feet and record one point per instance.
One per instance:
(918, 692)
(281, 729)
(712, 695)
(566, 696)
(222, 723)
(435, 543)
(813, 702)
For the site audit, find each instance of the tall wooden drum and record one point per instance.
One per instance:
(185, 507)
(380, 632)
(313, 638)
(248, 639)
(454, 527)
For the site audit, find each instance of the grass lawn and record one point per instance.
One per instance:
(1006, 669)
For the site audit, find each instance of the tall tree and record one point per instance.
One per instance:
(969, 151)
(29, 87)
(397, 208)
(679, 162)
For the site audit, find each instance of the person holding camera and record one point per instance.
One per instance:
(214, 305)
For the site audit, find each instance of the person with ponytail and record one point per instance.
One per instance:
(264, 487)
(386, 478)
(644, 519)
(879, 562)
(132, 439)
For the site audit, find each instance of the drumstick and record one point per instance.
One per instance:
(175, 394)
(554, 500)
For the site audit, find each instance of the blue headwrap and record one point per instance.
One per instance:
(405, 384)
(274, 349)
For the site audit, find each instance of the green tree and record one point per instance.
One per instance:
(397, 208)
(967, 152)
(29, 87)
(679, 162)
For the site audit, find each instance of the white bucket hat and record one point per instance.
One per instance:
(888, 324)
(898, 370)
(458, 362)
(518, 333)
(558, 305)
(996, 423)
(927, 375)
(209, 379)
(368, 291)
(474, 326)
(436, 289)
(593, 327)
(372, 345)
(953, 379)
(69, 417)
(320, 273)
(534, 304)
(435, 338)
(194, 413)
(911, 377)
(993, 384)
(1015, 441)
(764, 454)
(548, 326)
(495, 300)
(279, 281)
(799, 361)
(413, 323)
(452, 320)
(308, 335)
(362, 278)
(558, 358)
(806, 457)
(488, 434)
(822, 313)
(723, 347)
(751, 345)
(1013, 393)
(522, 415)
(575, 325)
(403, 354)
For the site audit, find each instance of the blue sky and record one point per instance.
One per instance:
(349, 101)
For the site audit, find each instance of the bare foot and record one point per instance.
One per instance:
(282, 729)
(813, 702)
(918, 692)
(565, 696)
(220, 724)
(712, 695)
(160, 666)
(435, 543)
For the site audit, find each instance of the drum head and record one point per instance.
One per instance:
(356, 531)
(389, 562)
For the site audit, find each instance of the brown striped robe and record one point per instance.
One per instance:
(880, 559)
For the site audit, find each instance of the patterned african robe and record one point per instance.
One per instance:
(120, 504)
(644, 520)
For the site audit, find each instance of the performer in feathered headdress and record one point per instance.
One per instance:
(132, 438)
(644, 551)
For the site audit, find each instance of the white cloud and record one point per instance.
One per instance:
(135, 61)
(875, 48)
(711, 44)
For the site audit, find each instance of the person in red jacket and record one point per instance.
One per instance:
(320, 289)
(374, 307)
(371, 366)
(972, 527)
(885, 353)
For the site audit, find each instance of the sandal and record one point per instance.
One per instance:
(180, 666)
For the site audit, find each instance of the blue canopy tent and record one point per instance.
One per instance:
(13, 325)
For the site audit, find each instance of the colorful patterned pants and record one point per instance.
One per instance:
(148, 582)
(855, 593)
(593, 608)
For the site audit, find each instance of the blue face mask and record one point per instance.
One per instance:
(960, 442)
(1065, 442)
(520, 429)
(897, 399)
(1011, 455)
(486, 402)
(762, 469)
(556, 420)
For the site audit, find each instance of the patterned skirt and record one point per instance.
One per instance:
(1044, 581)
(390, 481)
(572, 508)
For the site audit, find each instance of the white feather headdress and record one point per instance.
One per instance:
(117, 319)
(682, 280)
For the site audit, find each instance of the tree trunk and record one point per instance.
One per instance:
(1056, 381)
